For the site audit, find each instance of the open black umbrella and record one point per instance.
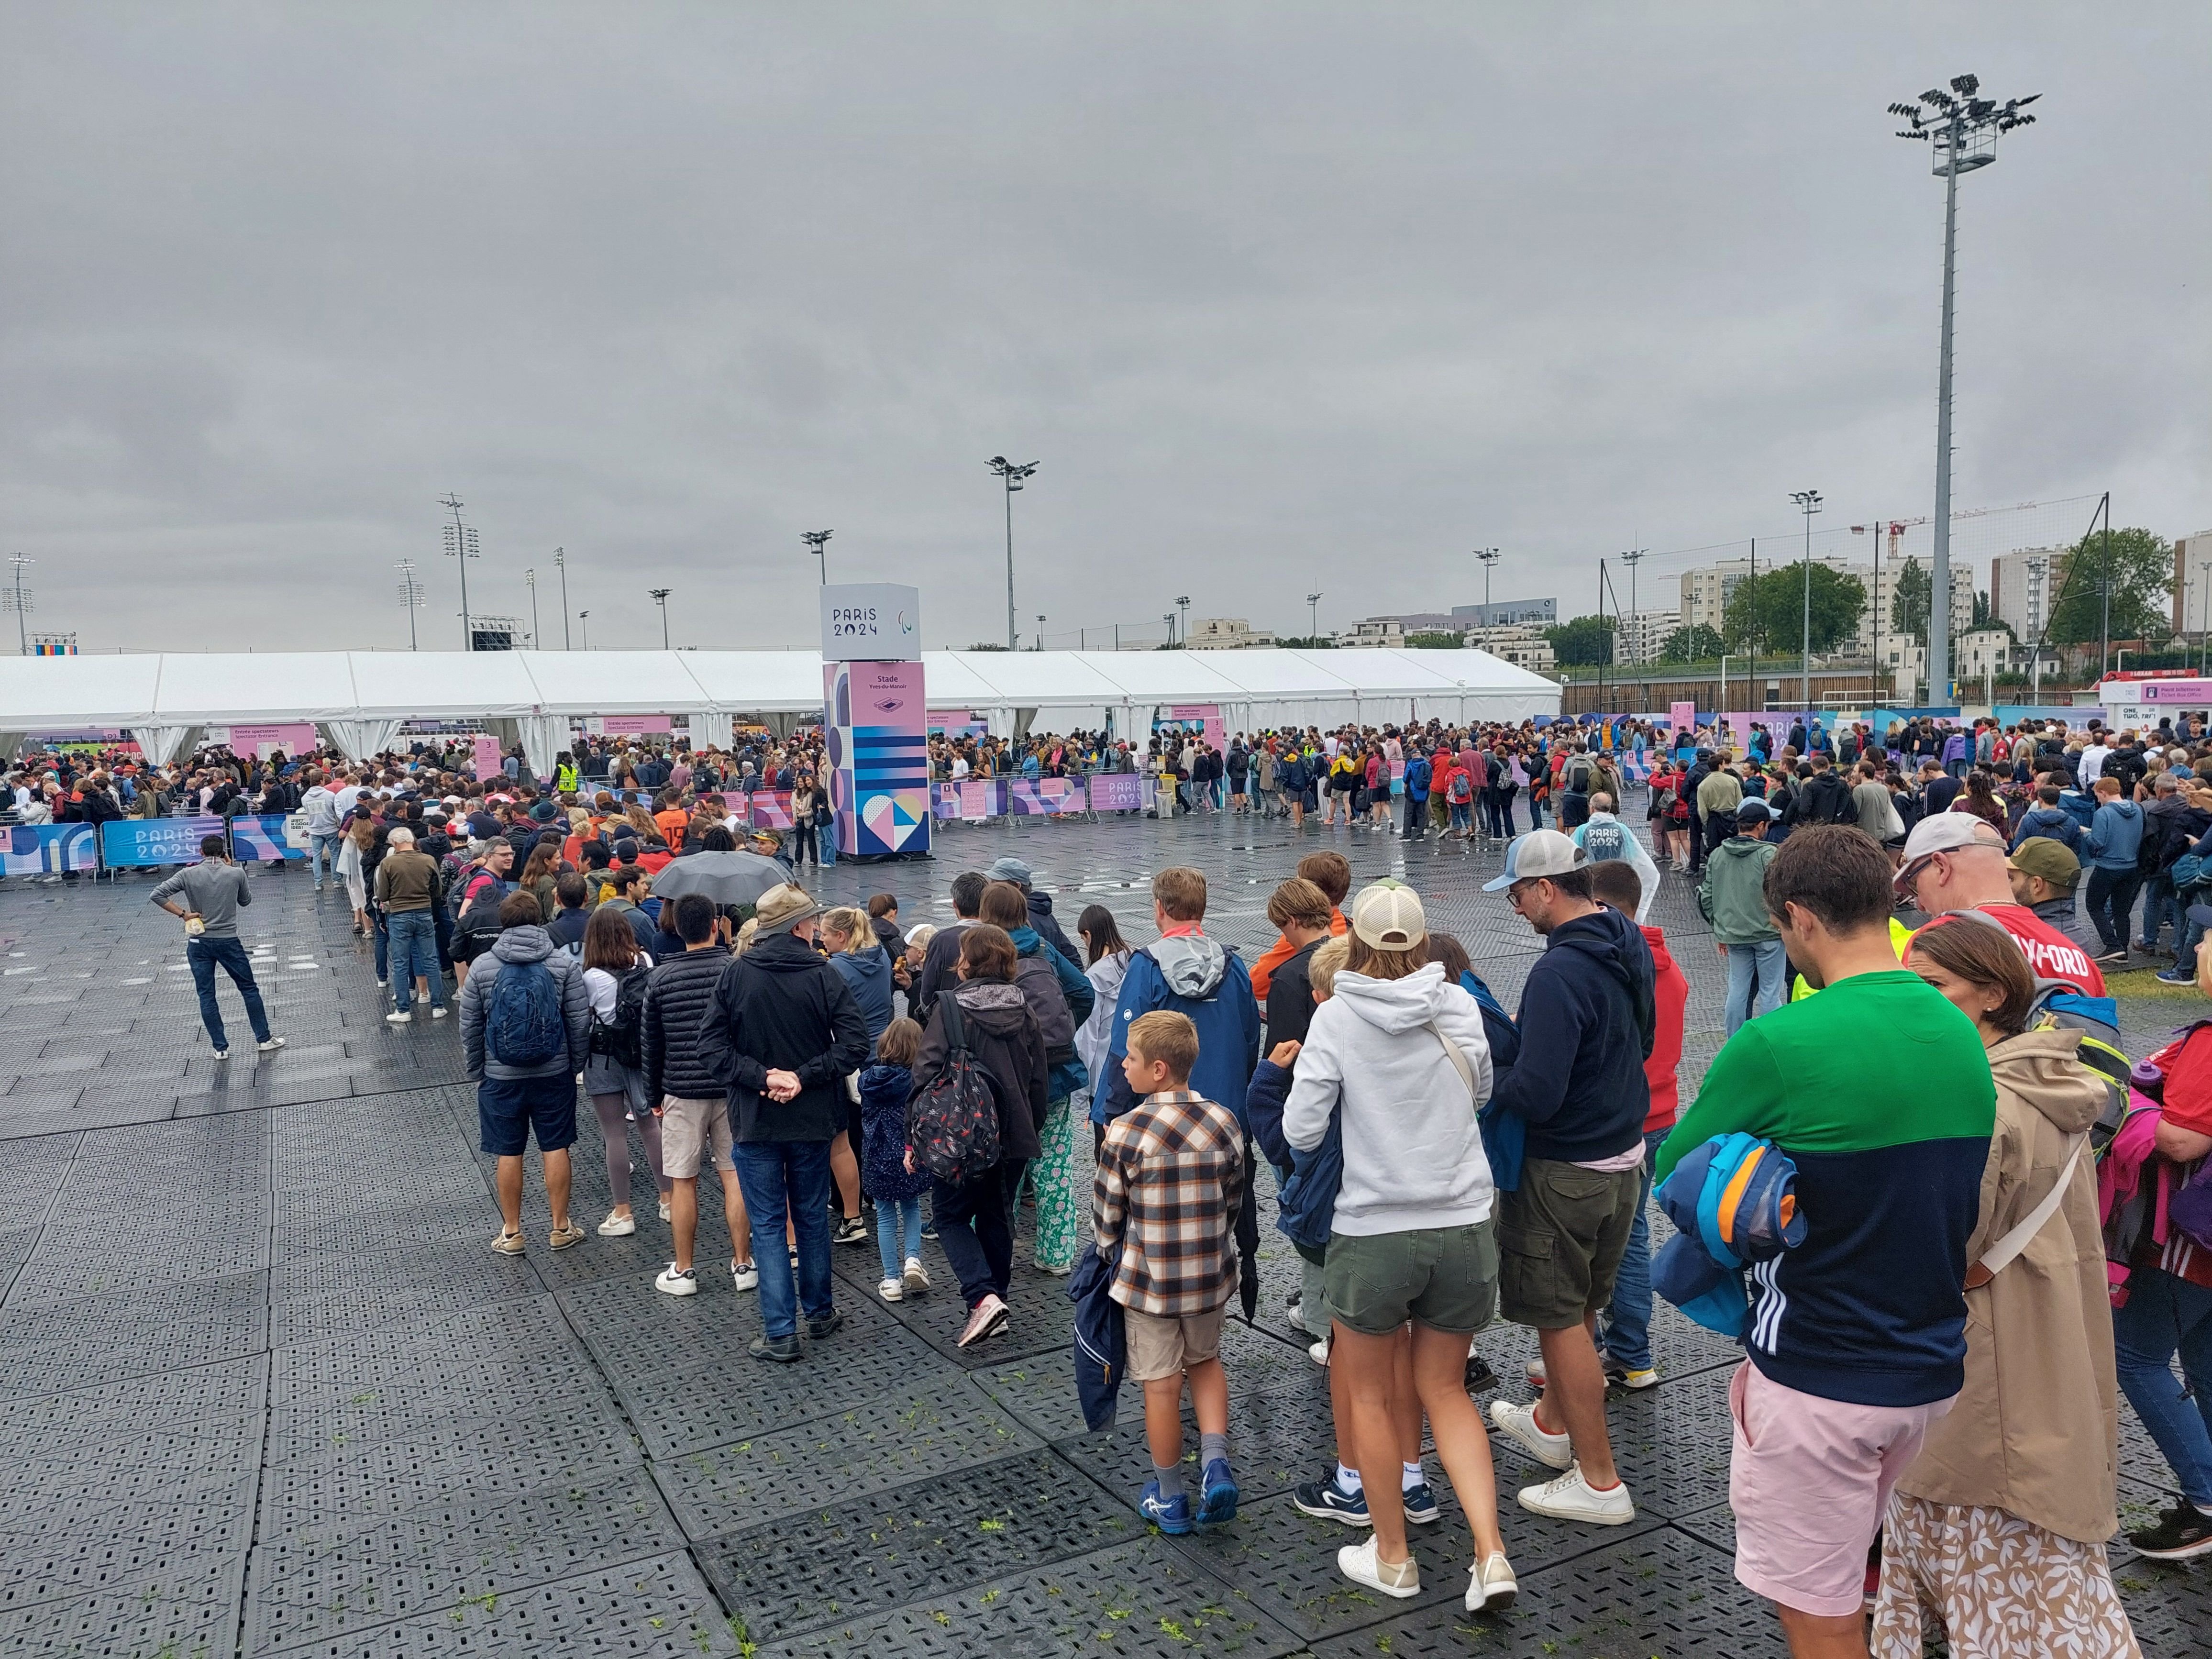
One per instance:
(725, 878)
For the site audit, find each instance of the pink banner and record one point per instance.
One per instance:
(291, 736)
(635, 725)
(771, 810)
(1118, 792)
(487, 758)
(1682, 718)
(1205, 718)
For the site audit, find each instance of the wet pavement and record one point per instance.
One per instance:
(265, 1390)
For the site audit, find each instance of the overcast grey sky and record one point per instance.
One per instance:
(1281, 298)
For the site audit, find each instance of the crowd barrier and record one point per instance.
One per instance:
(975, 799)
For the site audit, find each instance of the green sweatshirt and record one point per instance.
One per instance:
(1732, 895)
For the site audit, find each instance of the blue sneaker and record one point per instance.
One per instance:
(1171, 1515)
(2176, 976)
(1421, 1504)
(1218, 1505)
(1327, 1501)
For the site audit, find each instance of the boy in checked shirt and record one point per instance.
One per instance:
(1171, 1176)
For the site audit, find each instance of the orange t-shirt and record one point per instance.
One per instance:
(673, 823)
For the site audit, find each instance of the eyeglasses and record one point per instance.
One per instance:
(1513, 894)
(1908, 879)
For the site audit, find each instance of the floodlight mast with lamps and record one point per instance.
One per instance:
(1962, 130)
(817, 542)
(661, 597)
(461, 545)
(1808, 503)
(411, 596)
(1013, 474)
(1313, 618)
(560, 563)
(19, 601)
(1632, 558)
(1490, 556)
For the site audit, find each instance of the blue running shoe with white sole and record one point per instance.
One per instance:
(1217, 1504)
(1170, 1514)
(1325, 1500)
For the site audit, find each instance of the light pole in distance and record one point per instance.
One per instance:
(817, 542)
(1040, 630)
(561, 564)
(1963, 130)
(661, 597)
(411, 596)
(1313, 618)
(1633, 557)
(1013, 474)
(530, 579)
(461, 545)
(585, 618)
(1808, 503)
(19, 601)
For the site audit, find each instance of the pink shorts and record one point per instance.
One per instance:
(1809, 1481)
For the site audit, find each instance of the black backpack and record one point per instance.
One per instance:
(953, 1124)
(622, 1039)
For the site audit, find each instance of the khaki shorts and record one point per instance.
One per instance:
(1161, 1347)
(1445, 1277)
(691, 1128)
(1560, 1237)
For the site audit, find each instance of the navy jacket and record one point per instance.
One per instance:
(1587, 1021)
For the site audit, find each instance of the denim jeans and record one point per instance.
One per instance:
(975, 1225)
(898, 1232)
(323, 850)
(414, 951)
(205, 954)
(1624, 1332)
(2164, 1314)
(382, 934)
(795, 1175)
(1754, 967)
(2159, 908)
(2188, 932)
(2111, 898)
(825, 844)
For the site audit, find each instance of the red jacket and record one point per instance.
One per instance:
(1671, 992)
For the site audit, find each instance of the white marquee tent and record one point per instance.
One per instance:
(361, 698)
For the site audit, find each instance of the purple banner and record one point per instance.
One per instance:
(1118, 792)
(1043, 797)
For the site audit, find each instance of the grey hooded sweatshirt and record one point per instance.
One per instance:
(515, 946)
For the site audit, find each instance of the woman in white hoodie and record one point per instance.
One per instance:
(1399, 1057)
(1106, 964)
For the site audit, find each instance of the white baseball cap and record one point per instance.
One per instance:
(1539, 853)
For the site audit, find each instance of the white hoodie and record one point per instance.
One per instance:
(1412, 1156)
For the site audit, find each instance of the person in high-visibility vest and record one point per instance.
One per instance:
(564, 776)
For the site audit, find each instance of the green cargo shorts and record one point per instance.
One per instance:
(1560, 1237)
(1445, 1277)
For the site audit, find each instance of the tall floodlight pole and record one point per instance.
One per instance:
(561, 564)
(1633, 557)
(411, 596)
(661, 597)
(1040, 630)
(1963, 130)
(585, 618)
(530, 579)
(1490, 556)
(817, 542)
(461, 546)
(1313, 616)
(1808, 503)
(2204, 628)
(1182, 608)
(1012, 476)
(1168, 617)
(19, 601)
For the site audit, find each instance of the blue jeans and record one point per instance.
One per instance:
(204, 955)
(382, 934)
(825, 844)
(2184, 944)
(2162, 1315)
(1754, 968)
(2160, 907)
(321, 850)
(414, 951)
(774, 1174)
(898, 1232)
(1624, 1332)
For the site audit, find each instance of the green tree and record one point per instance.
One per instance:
(1585, 643)
(1770, 612)
(2141, 565)
(1909, 601)
(1311, 642)
(1697, 644)
(1982, 616)
(1438, 640)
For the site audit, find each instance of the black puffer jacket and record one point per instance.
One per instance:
(1002, 1035)
(781, 1007)
(677, 999)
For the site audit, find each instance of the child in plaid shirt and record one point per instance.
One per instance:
(1171, 1176)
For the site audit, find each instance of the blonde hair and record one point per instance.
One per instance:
(1167, 1038)
(746, 934)
(919, 939)
(1325, 964)
(850, 925)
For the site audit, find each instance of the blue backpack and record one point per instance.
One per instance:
(524, 1026)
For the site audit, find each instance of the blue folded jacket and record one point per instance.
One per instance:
(1733, 1200)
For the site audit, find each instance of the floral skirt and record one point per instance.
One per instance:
(1998, 1586)
(1058, 1212)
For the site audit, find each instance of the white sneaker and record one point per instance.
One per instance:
(271, 1045)
(1568, 1498)
(402, 1017)
(437, 1013)
(677, 1283)
(618, 1227)
(1357, 1563)
(892, 1289)
(1319, 1353)
(1534, 1370)
(664, 1209)
(1490, 1585)
(744, 1275)
(915, 1280)
(1518, 1423)
(222, 1054)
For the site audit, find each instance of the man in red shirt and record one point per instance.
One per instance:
(1954, 861)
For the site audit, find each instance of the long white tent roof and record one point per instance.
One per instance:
(222, 688)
